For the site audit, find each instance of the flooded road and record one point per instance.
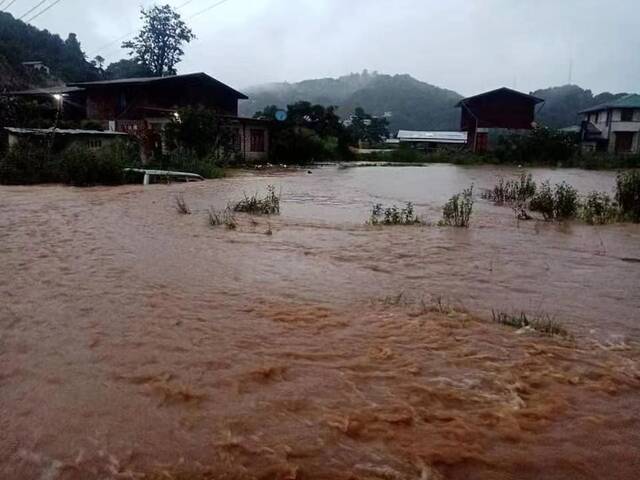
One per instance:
(140, 343)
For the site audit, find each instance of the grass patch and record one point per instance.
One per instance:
(268, 205)
(512, 191)
(457, 211)
(181, 205)
(541, 323)
(393, 215)
(224, 217)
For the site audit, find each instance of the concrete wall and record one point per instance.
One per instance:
(245, 143)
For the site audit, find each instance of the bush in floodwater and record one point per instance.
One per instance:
(628, 195)
(598, 209)
(457, 211)
(512, 191)
(181, 205)
(393, 215)
(224, 217)
(560, 203)
(542, 323)
(269, 205)
(565, 201)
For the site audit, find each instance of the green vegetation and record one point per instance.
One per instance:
(159, 44)
(559, 203)
(268, 205)
(393, 215)
(181, 205)
(457, 211)
(37, 162)
(310, 133)
(512, 191)
(628, 195)
(598, 209)
(541, 323)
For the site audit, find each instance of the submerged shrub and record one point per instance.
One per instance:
(84, 167)
(628, 195)
(457, 211)
(560, 203)
(224, 217)
(598, 209)
(28, 163)
(542, 323)
(565, 201)
(269, 205)
(512, 191)
(393, 215)
(181, 205)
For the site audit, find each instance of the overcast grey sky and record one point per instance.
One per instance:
(465, 45)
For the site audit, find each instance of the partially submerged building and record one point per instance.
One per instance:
(612, 127)
(138, 105)
(503, 108)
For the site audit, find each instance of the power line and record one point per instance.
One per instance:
(10, 3)
(28, 12)
(42, 11)
(1, 2)
(127, 35)
(207, 9)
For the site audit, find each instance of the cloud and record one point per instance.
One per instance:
(465, 45)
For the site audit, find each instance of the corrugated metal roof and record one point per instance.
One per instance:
(59, 131)
(438, 137)
(59, 90)
(628, 101)
(501, 90)
(148, 80)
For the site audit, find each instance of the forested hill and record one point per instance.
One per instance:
(411, 103)
(20, 42)
(562, 104)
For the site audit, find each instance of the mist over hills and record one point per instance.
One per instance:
(412, 104)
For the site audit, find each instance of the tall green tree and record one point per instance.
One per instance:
(159, 44)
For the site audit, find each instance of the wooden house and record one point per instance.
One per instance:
(503, 108)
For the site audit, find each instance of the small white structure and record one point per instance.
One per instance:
(612, 127)
(431, 140)
(38, 66)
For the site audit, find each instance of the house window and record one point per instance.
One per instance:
(94, 143)
(257, 140)
(627, 115)
(597, 118)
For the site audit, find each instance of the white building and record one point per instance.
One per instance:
(38, 66)
(432, 140)
(612, 127)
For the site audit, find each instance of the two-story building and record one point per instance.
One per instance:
(612, 127)
(137, 105)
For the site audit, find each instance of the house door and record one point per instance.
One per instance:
(624, 142)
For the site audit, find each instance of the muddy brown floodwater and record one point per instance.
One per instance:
(136, 342)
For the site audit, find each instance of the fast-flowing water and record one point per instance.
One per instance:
(137, 341)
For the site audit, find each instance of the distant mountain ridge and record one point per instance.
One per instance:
(413, 104)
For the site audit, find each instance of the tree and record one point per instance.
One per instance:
(99, 62)
(309, 133)
(366, 128)
(127, 69)
(158, 46)
(204, 132)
